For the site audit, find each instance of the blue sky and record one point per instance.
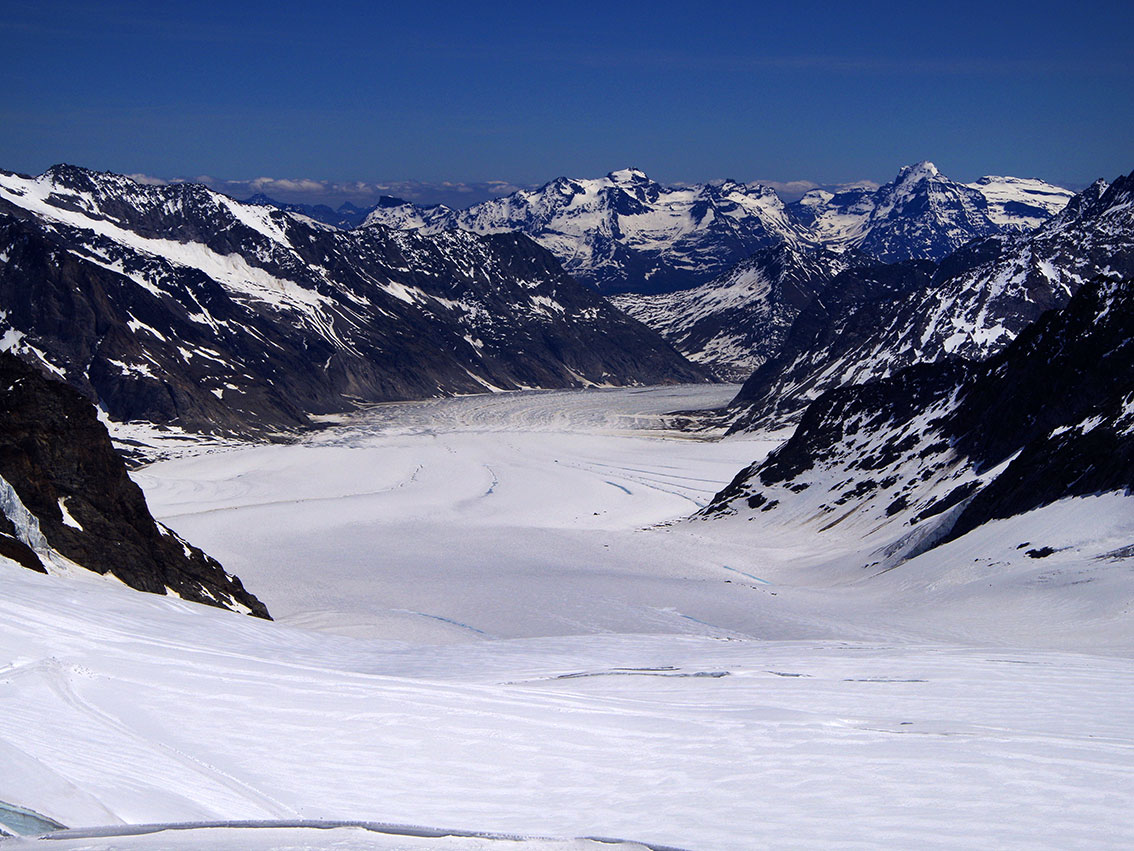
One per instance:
(427, 91)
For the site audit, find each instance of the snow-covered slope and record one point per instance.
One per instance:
(871, 321)
(179, 305)
(123, 709)
(1023, 203)
(624, 232)
(737, 322)
(962, 700)
(939, 450)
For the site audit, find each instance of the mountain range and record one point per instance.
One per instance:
(737, 321)
(178, 305)
(625, 233)
(871, 320)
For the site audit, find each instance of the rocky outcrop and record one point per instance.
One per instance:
(65, 493)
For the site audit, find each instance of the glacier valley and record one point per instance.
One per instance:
(495, 618)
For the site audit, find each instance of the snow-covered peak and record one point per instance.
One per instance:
(1021, 203)
(1088, 204)
(409, 216)
(628, 175)
(816, 198)
(625, 232)
(924, 170)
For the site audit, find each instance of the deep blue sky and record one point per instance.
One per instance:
(514, 91)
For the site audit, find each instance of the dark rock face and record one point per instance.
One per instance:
(924, 215)
(949, 446)
(58, 459)
(180, 306)
(869, 322)
(1063, 397)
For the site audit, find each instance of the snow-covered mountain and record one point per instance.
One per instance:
(737, 322)
(726, 322)
(668, 253)
(920, 214)
(1023, 203)
(871, 321)
(66, 501)
(178, 305)
(946, 447)
(625, 232)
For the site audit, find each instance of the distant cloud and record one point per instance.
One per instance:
(270, 185)
(148, 180)
(790, 188)
(306, 190)
(793, 190)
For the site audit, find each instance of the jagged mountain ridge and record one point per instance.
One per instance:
(730, 323)
(923, 215)
(625, 232)
(943, 448)
(179, 305)
(734, 327)
(869, 322)
(628, 234)
(66, 499)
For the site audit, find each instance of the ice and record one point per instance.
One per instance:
(271, 836)
(68, 520)
(494, 618)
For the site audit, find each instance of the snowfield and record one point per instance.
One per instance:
(492, 617)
